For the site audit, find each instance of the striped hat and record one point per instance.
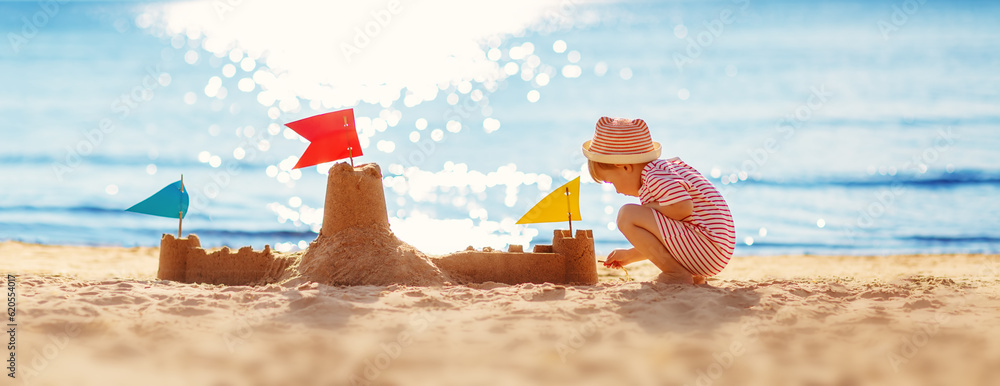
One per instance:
(621, 141)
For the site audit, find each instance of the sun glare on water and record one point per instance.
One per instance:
(345, 53)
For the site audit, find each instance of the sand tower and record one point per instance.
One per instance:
(355, 245)
(581, 266)
(173, 256)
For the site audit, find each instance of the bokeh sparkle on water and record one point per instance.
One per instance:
(292, 77)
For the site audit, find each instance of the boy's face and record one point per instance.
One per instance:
(627, 179)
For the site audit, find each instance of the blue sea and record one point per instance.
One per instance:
(831, 127)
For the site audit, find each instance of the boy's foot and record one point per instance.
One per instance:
(674, 277)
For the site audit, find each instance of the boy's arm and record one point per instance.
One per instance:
(677, 211)
(674, 192)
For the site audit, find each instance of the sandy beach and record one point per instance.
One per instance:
(98, 315)
(436, 182)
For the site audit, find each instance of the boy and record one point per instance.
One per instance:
(683, 225)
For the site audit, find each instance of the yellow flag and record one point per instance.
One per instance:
(557, 206)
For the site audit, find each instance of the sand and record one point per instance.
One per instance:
(98, 316)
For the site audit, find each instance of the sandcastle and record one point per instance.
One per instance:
(355, 246)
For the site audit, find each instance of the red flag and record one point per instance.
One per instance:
(332, 136)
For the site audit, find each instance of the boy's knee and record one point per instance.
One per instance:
(627, 214)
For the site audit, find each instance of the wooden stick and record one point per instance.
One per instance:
(569, 212)
(180, 213)
(350, 149)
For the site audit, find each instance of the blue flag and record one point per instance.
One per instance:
(171, 201)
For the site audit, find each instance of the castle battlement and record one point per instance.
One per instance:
(185, 261)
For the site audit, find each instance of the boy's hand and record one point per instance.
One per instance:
(622, 257)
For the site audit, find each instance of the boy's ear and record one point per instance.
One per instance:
(628, 167)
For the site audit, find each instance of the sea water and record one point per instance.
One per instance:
(830, 127)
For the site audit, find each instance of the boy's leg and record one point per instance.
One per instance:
(638, 225)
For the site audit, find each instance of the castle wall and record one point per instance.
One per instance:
(569, 260)
(243, 267)
(184, 260)
(504, 267)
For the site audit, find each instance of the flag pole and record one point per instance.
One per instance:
(180, 213)
(569, 212)
(350, 149)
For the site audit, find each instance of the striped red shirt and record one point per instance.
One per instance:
(704, 241)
